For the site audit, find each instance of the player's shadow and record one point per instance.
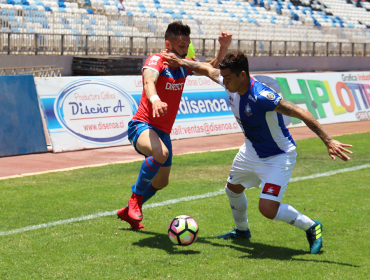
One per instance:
(255, 250)
(161, 241)
(252, 250)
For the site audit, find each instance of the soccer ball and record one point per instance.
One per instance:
(183, 230)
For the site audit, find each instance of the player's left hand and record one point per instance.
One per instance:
(225, 39)
(336, 148)
(172, 59)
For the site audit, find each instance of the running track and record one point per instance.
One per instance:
(24, 165)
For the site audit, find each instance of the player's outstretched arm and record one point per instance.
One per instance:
(335, 148)
(225, 40)
(150, 79)
(201, 68)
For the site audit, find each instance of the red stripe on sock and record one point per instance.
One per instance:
(157, 164)
(152, 190)
(150, 166)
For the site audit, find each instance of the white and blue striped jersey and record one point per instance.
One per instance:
(264, 129)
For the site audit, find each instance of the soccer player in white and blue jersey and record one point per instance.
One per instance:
(269, 153)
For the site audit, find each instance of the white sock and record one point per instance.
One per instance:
(238, 203)
(288, 214)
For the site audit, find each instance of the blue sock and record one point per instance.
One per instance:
(149, 192)
(149, 168)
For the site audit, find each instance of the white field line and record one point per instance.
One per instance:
(171, 201)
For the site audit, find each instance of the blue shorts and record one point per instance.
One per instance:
(135, 128)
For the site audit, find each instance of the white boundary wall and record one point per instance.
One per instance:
(91, 112)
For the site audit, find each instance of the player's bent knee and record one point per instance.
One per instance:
(161, 155)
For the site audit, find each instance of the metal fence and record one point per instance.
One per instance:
(62, 44)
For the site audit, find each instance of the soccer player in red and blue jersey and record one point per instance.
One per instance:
(150, 128)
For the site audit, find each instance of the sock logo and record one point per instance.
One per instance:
(271, 189)
(232, 207)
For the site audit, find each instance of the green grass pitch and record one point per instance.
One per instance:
(105, 248)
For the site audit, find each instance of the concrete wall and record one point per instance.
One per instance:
(64, 61)
(273, 63)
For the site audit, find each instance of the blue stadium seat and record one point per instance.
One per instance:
(176, 16)
(168, 11)
(151, 27)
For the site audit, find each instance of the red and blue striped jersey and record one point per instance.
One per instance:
(170, 85)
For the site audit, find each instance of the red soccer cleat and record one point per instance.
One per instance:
(123, 215)
(135, 204)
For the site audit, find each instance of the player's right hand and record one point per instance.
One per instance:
(159, 108)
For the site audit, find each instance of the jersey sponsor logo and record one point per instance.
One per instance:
(168, 73)
(271, 189)
(153, 60)
(267, 94)
(277, 100)
(231, 101)
(171, 86)
(248, 110)
(253, 98)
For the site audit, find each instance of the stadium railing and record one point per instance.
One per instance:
(62, 44)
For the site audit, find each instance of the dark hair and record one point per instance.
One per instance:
(175, 29)
(236, 61)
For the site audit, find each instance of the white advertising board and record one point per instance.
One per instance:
(91, 112)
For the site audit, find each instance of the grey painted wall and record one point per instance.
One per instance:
(273, 63)
(64, 61)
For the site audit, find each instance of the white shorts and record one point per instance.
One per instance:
(273, 173)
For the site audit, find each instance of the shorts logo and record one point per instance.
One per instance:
(271, 189)
(248, 110)
(268, 95)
